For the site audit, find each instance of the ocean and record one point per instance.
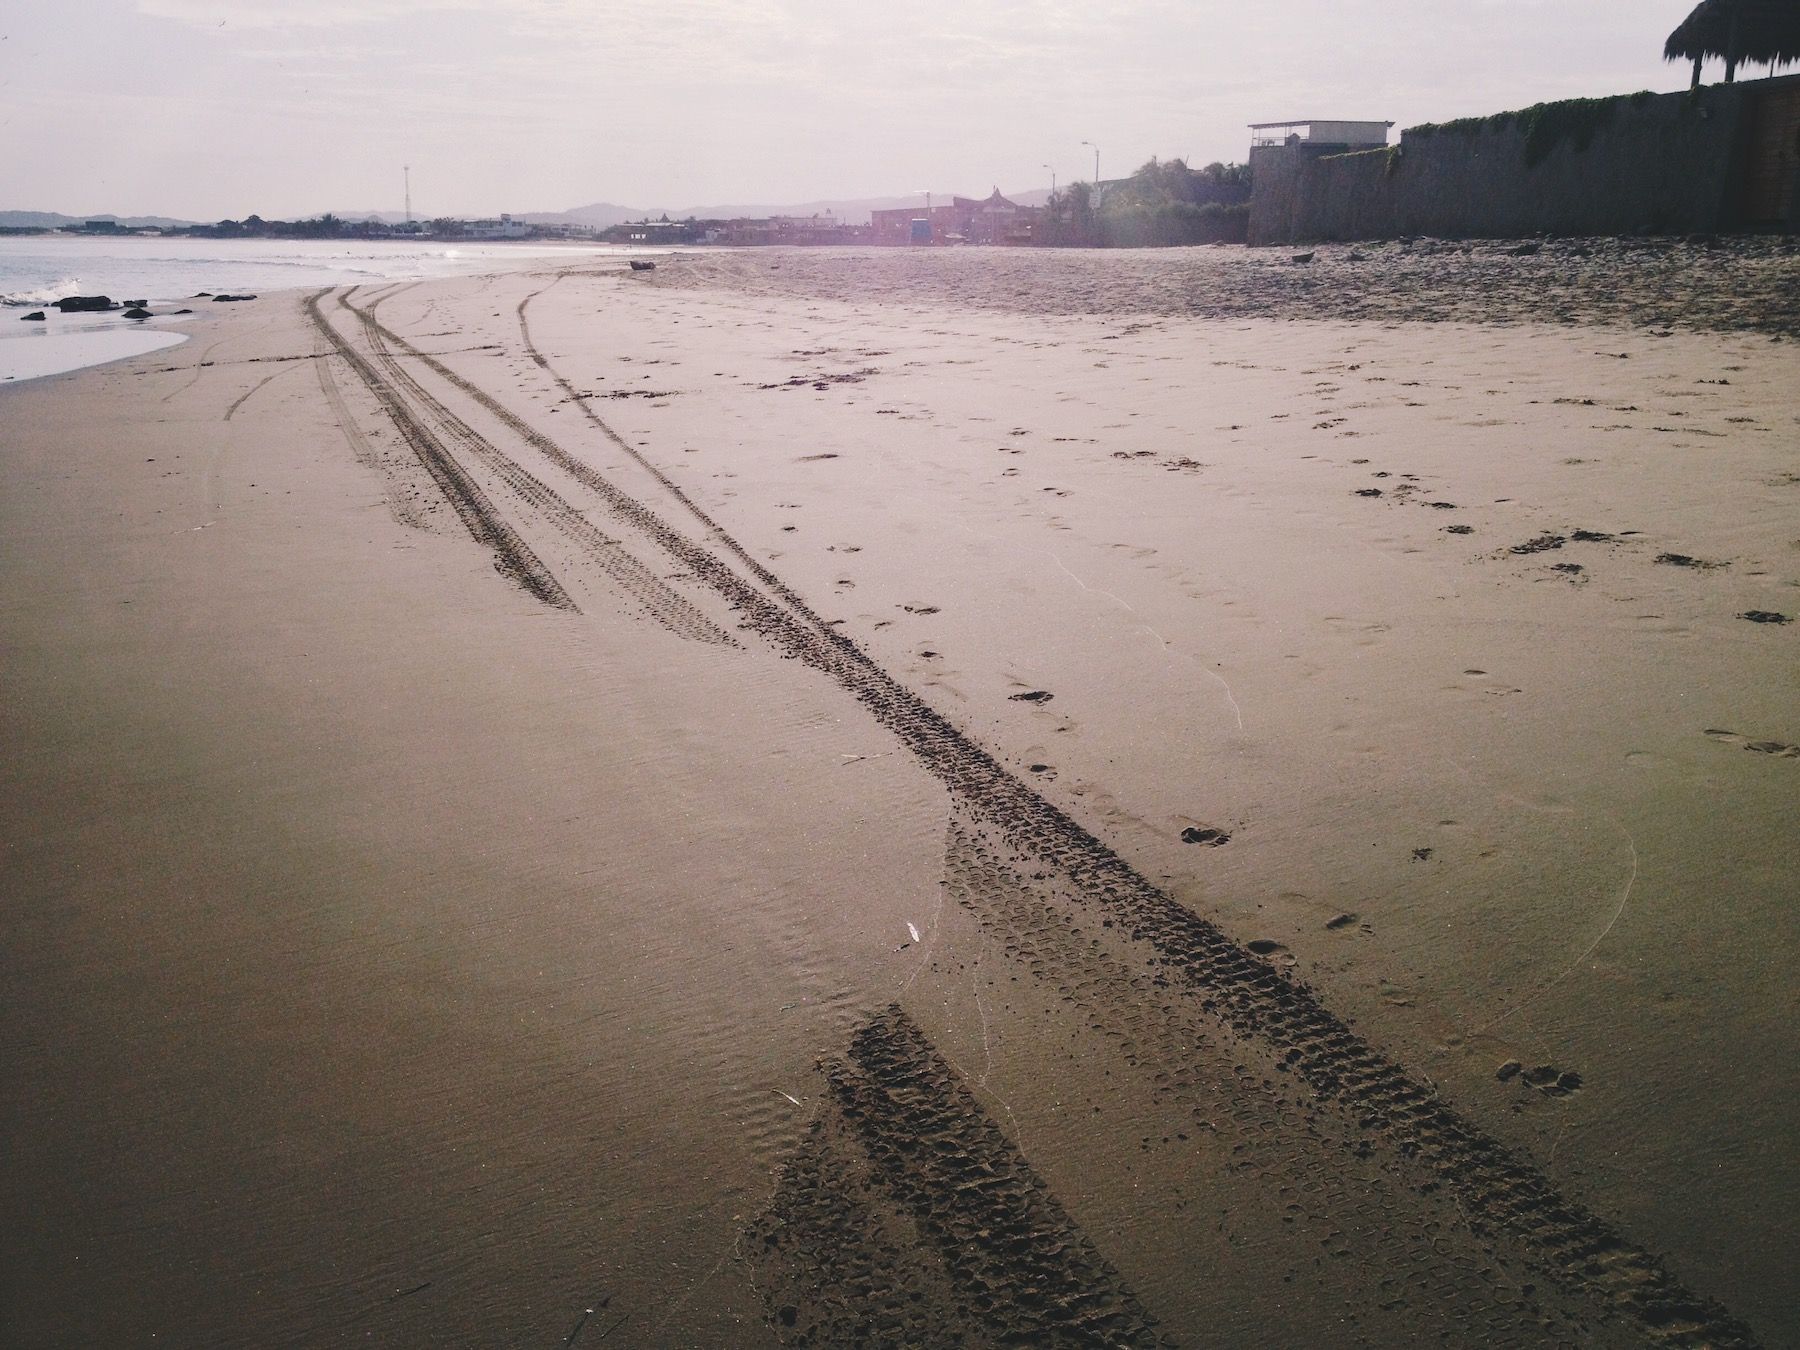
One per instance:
(36, 270)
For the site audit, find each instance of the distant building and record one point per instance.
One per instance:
(1281, 150)
(963, 220)
(655, 232)
(1319, 136)
(504, 228)
(563, 229)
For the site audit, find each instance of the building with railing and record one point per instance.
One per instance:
(1320, 136)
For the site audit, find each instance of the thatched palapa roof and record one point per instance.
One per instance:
(1764, 31)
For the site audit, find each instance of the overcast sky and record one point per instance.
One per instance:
(214, 108)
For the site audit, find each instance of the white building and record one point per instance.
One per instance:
(504, 228)
(1320, 133)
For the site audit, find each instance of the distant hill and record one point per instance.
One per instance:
(54, 220)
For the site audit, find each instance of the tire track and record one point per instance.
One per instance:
(407, 499)
(1396, 1118)
(246, 396)
(715, 531)
(653, 596)
(1415, 1260)
(513, 557)
(932, 1228)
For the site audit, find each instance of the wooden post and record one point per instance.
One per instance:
(1696, 83)
(1734, 43)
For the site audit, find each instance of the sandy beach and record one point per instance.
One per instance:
(811, 798)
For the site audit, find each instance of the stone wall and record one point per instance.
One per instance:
(1660, 162)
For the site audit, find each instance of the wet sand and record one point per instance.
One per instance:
(816, 798)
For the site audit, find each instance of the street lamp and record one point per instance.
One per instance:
(1096, 150)
(1052, 180)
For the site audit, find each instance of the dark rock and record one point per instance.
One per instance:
(1524, 250)
(227, 299)
(1764, 616)
(1305, 257)
(85, 304)
(639, 265)
(1510, 1069)
(136, 312)
(1033, 696)
(184, 311)
(135, 304)
(36, 316)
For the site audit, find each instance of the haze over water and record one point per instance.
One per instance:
(37, 270)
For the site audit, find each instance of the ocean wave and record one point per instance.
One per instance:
(43, 295)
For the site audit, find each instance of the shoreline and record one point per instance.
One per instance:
(402, 952)
(59, 353)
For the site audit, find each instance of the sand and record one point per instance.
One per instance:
(812, 798)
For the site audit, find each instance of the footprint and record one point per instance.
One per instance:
(1683, 560)
(1274, 951)
(1779, 749)
(1541, 544)
(1546, 1078)
(1032, 696)
(1210, 835)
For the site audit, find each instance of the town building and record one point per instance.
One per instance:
(504, 228)
(963, 220)
(1318, 136)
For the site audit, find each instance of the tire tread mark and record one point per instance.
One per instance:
(638, 583)
(1157, 1033)
(1500, 1189)
(774, 584)
(1019, 1270)
(513, 557)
